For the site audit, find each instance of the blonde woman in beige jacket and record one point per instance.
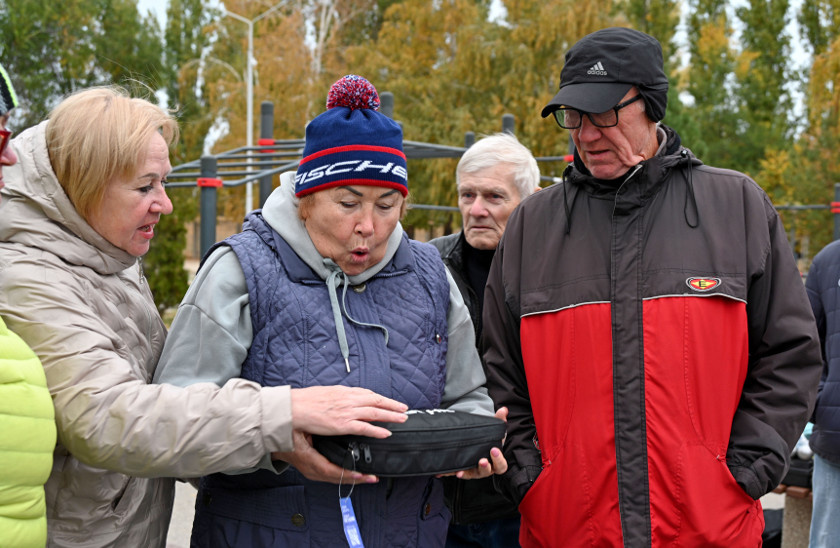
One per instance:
(77, 212)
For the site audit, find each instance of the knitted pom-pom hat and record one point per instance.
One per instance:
(351, 143)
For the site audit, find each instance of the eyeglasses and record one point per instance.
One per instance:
(5, 134)
(571, 118)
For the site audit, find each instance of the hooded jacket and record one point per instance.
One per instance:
(451, 249)
(652, 340)
(27, 423)
(474, 501)
(85, 308)
(823, 286)
(290, 509)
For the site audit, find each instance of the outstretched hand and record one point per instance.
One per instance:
(337, 410)
(497, 464)
(314, 466)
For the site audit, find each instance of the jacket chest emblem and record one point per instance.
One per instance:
(703, 284)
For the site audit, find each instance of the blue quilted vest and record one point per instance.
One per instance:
(295, 343)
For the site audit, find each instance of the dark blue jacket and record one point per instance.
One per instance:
(823, 285)
(295, 343)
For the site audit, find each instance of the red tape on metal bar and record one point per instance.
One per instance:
(207, 181)
(266, 142)
(835, 207)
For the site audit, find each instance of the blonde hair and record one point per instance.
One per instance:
(99, 134)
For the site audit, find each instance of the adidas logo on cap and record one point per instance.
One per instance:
(597, 70)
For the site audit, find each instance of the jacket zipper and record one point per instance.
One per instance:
(360, 450)
(148, 313)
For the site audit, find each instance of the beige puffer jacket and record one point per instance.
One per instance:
(84, 307)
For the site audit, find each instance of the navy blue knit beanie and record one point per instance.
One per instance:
(351, 143)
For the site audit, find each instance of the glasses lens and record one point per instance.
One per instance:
(605, 119)
(4, 140)
(570, 118)
(567, 118)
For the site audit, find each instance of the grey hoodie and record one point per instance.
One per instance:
(216, 306)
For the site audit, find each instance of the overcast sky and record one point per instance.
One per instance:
(157, 7)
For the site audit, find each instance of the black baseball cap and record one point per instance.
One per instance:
(602, 67)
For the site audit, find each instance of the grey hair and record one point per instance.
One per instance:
(502, 148)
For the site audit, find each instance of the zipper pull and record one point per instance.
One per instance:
(354, 450)
(366, 448)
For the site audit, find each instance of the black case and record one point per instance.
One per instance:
(431, 441)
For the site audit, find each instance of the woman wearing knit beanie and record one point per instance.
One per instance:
(323, 287)
(27, 420)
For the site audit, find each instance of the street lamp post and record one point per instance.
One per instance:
(249, 89)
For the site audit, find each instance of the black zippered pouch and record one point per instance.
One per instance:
(429, 442)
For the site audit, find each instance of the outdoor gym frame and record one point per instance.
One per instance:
(271, 156)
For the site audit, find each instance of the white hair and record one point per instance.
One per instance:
(502, 148)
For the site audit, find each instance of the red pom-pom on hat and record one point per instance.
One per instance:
(353, 92)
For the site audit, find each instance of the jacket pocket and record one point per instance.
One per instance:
(434, 516)
(711, 508)
(121, 499)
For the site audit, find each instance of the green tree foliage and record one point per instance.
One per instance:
(813, 172)
(453, 66)
(186, 94)
(184, 87)
(54, 48)
(766, 147)
(819, 23)
(763, 73)
(660, 19)
(85, 43)
(453, 70)
(817, 159)
(710, 82)
(282, 75)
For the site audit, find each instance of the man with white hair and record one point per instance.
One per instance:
(493, 176)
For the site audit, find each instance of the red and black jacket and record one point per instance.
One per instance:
(653, 342)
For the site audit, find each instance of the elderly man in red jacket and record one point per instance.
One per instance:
(646, 326)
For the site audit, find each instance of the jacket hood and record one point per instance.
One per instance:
(36, 212)
(670, 153)
(280, 212)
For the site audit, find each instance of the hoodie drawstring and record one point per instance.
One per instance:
(566, 205)
(338, 277)
(690, 193)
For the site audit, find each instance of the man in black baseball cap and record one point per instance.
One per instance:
(604, 73)
(646, 326)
